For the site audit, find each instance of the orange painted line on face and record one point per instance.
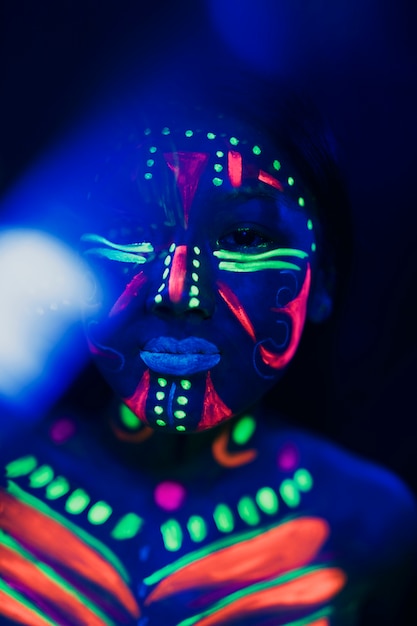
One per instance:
(230, 459)
(234, 168)
(297, 310)
(19, 571)
(13, 609)
(137, 402)
(177, 274)
(310, 589)
(131, 291)
(53, 541)
(275, 551)
(214, 409)
(266, 178)
(236, 308)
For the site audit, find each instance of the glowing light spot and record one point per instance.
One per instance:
(197, 528)
(57, 488)
(158, 298)
(194, 302)
(291, 181)
(150, 162)
(182, 400)
(180, 428)
(248, 511)
(303, 479)
(287, 458)
(189, 133)
(172, 247)
(167, 260)
(161, 422)
(148, 176)
(180, 414)
(161, 288)
(147, 131)
(194, 276)
(223, 518)
(194, 290)
(234, 141)
(169, 495)
(217, 181)
(211, 136)
(152, 149)
(21, 467)
(256, 150)
(185, 384)
(77, 502)
(99, 513)
(289, 493)
(219, 154)
(197, 250)
(127, 527)
(171, 535)
(309, 225)
(313, 247)
(165, 274)
(267, 500)
(196, 263)
(160, 395)
(276, 165)
(128, 418)
(158, 409)
(62, 430)
(301, 201)
(243, 430)
(165, 131)
(41, 476)
(162, 382)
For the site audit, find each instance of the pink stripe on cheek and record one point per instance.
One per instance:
(131, 291)
(177, 274)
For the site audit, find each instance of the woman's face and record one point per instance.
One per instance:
(202, 256)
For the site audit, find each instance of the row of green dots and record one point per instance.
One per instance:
(194, 290)
(128, 526)
(266, 500)
(160, 395)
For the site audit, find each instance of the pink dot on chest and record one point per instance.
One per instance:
(169, 495)
(287, 457)
(62, 430)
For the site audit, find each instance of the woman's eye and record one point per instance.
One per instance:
(244, 238)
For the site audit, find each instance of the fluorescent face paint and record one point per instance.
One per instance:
(210, 281)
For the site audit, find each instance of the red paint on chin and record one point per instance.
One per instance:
(214, 409)
(177, 274)
(137, 402)
(297, 310)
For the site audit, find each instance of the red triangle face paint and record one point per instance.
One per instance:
(188, 168)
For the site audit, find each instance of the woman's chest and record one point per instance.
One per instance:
(256, 546)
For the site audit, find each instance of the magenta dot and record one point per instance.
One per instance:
(62, 430)
(169, 495)
(287, 458)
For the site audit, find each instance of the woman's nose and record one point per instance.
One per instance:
(184, 287)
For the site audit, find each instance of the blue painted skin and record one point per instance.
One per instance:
(370, 514)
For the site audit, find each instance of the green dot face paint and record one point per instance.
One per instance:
(202, 288)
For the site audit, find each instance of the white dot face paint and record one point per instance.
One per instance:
(206, 292)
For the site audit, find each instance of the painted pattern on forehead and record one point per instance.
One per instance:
(188, 168)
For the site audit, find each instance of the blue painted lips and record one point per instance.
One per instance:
(167, 355)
